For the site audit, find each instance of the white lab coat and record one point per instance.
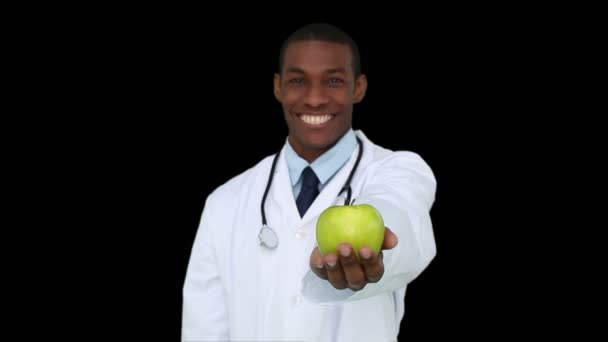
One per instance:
(236, 290)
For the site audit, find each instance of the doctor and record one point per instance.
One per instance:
(255, 273)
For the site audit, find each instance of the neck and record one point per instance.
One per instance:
(310, 157)
(311, 153)
(308, 154)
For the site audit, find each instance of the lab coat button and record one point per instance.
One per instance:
(298, 300)
(300, 234)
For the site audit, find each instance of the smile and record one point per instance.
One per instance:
(315, 119)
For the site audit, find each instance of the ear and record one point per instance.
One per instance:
(277, 87)
(360, 88)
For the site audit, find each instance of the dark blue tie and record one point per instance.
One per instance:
(309, 191)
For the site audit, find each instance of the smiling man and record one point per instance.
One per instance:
(273, 284)
(317, 86)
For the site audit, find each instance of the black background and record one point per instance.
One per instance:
(160, 109)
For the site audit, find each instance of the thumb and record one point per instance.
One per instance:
(390, 239)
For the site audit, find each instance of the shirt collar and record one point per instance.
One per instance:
(327, 164)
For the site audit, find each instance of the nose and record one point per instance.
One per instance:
(316, 95)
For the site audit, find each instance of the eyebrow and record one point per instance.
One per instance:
(328, 71)
(296, 70)
(335, 70)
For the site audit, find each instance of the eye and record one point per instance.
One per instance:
(334, 81)
(296, 81)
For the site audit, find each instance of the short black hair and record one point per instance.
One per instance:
(325, 33)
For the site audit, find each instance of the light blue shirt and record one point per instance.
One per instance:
(325, 167)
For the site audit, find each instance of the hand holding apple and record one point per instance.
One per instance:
(342, 268)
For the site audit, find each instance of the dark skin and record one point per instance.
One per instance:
(317, 89)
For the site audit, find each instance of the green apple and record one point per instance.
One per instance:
(359, 225)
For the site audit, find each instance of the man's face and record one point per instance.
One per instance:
(317, 89)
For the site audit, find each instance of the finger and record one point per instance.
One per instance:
(353, 272)
(373, 265)
(390, 239)
(316, 263)
(335, 275)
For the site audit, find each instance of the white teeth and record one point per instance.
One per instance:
(315, 119)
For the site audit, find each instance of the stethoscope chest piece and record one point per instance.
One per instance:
(268, 238)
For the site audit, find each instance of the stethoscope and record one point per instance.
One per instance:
(267, 236)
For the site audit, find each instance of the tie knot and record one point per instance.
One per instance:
(309, 178)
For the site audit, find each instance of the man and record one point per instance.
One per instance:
(283, 289)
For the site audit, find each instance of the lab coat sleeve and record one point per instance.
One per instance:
(402, 187)
(204, 316)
